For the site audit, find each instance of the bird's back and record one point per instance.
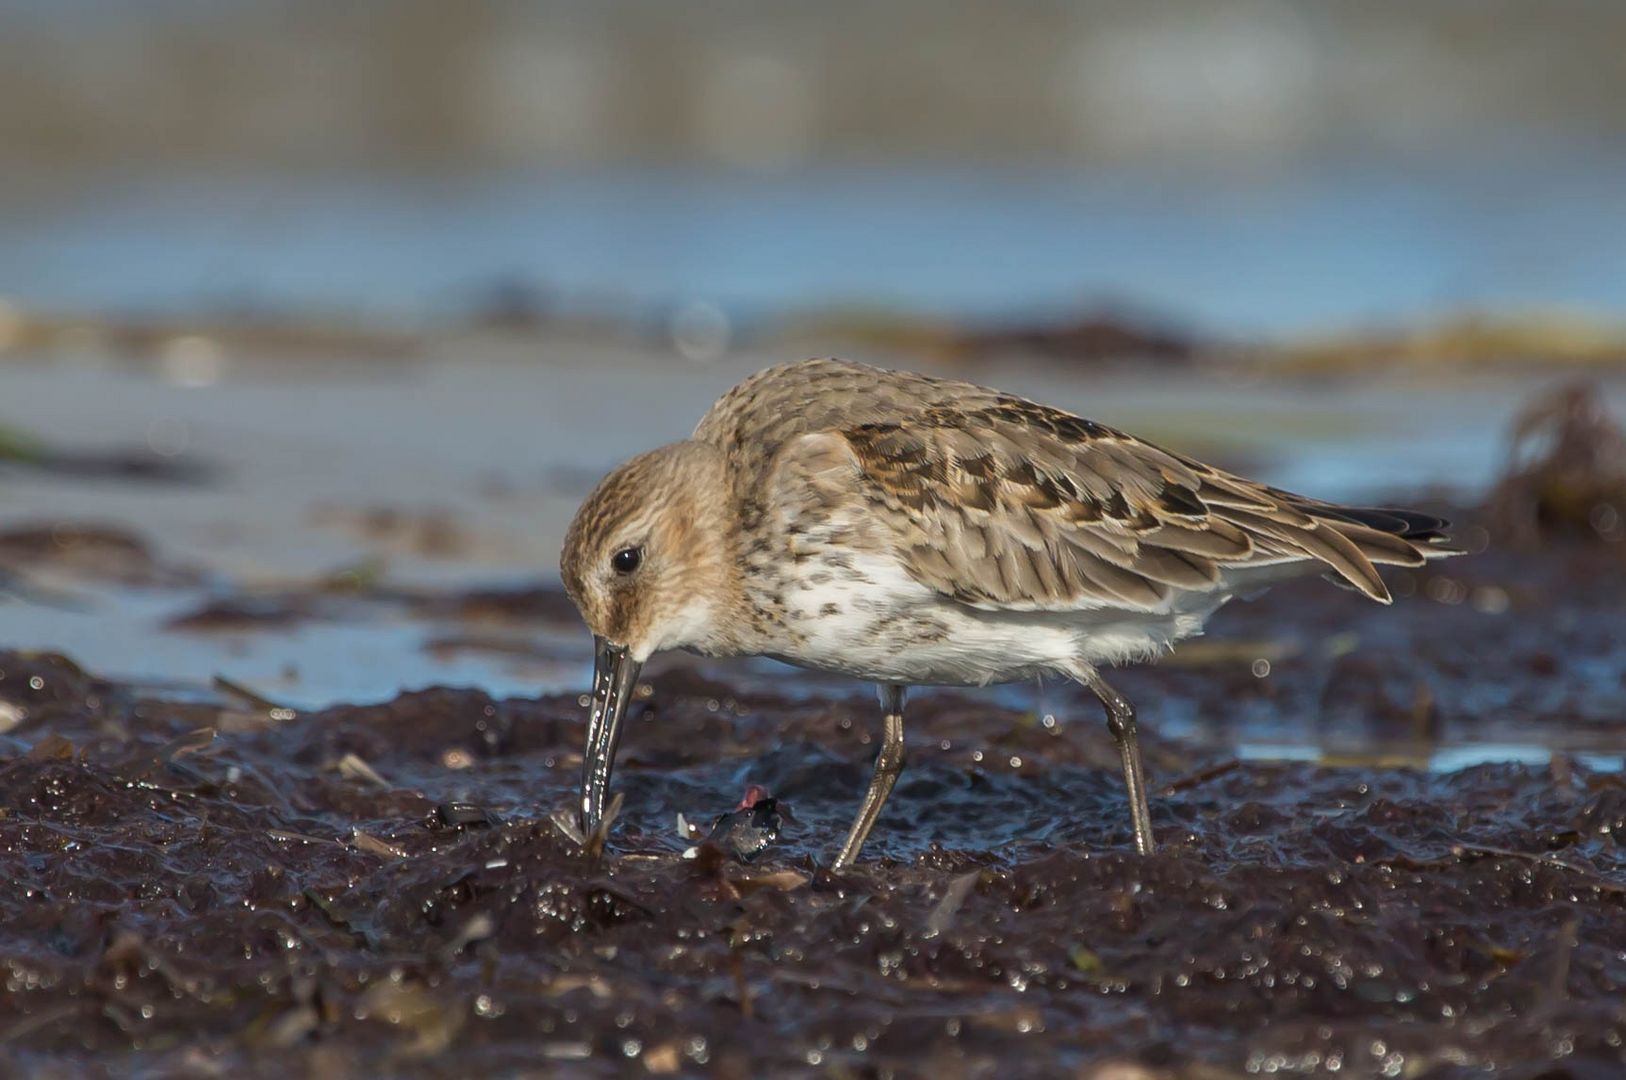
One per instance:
(1007, 504)
(753, 420)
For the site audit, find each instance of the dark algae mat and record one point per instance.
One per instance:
(213, 886)
(1390, 846)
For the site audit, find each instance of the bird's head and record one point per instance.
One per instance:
(648, 562)
(646, 559)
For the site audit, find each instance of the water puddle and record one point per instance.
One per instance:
(1442, 759)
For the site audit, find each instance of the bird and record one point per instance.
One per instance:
(911, 530)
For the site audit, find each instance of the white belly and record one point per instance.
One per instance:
(871, 620)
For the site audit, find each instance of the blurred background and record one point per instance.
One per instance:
(1253, 167)
(317, 320)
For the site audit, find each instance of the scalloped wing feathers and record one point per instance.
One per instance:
(1005, 504)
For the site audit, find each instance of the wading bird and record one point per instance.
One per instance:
(911, 530)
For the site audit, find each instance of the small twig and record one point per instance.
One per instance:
(1201, 776)
(592, 846)
(254, 698)
(289, 836)
(595, 843)
(1592, 878)
(565, 822)
(372, 845)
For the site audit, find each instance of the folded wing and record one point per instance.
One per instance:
(1003, 503)
(1012, 505)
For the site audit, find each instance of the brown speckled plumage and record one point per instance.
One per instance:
(909, 529)
(1000, 502)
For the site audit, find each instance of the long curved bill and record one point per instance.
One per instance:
(615, 675)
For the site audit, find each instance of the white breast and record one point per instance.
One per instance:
(861, 614)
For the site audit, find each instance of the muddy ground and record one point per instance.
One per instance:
(209, 885)
(1390, 836)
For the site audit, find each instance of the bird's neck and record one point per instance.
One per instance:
(746, 602)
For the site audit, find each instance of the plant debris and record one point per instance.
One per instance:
(1473, 340)
(1566, 471)
(749, 829)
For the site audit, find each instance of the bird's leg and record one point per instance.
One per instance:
(888, 764)
(1121, 722)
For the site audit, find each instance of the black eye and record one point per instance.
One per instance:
(626, 560)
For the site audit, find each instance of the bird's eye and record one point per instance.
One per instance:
(626, 560)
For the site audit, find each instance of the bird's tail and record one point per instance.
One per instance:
(1385, 536)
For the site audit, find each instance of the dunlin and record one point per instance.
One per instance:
(911, 530)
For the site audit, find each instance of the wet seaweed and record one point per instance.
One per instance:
(1566, 473)
(383, 889)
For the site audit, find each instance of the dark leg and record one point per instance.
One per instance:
(1121, 722)
(888, 764)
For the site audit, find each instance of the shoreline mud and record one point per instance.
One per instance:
(227, 886)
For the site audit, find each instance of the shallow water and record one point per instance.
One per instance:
(1446, 758)
(1285, 249)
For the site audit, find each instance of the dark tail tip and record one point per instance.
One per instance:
(1406, 524)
